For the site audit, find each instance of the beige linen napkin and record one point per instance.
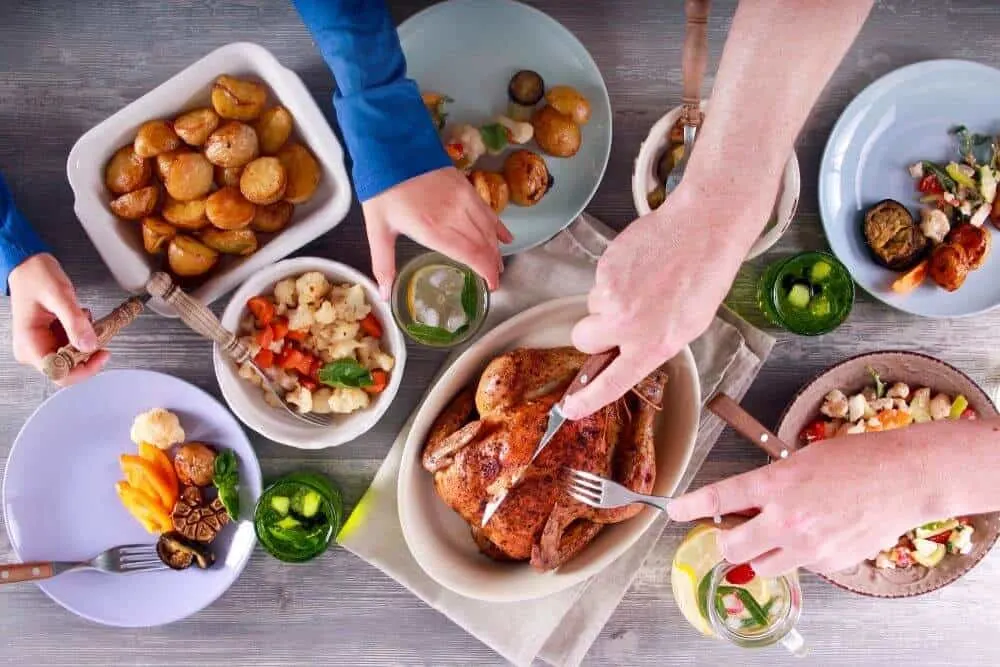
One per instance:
(560, 628)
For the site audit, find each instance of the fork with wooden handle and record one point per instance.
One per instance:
(127, 558)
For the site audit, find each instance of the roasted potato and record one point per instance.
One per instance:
(303, 173)
(949, 266)
(126, 171)
(232, 145)
(164, 160)
(231, 241)
(272, 218)
(136, 204)
(238, 99)
(555, 133)
(228, 176)
(273, 129)
(492, 188)
(155, 137)
(188, 215)
(156, 234)
(194, 127)
(527, 176)
(264, 181)
(569, 102)
(976, 242)
(188, 257)
(893, 235)
(227, 209)
(190, 177)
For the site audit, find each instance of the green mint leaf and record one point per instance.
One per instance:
(345, 373)
(494, 136)
(470, 296)
(432, 335)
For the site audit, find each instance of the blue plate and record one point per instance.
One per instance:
(900, 119)
(469, 49)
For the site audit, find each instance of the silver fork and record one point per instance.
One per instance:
(127, 558)
(602, 493)
(203, 321)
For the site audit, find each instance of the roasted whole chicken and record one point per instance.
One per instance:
(487, 434)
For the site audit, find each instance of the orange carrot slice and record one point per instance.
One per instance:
(910, 280)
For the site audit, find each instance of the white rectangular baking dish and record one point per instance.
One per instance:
(119, 242)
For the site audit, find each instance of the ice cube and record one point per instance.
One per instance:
(437, 278)
(455, 321)
(431, 318)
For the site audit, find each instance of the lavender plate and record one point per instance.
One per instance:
(59, 500)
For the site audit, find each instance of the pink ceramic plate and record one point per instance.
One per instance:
(917, 370)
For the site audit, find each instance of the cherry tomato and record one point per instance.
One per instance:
(941, 538)
(814, 432)
(929, 184)
(969, 413)
(741, 575)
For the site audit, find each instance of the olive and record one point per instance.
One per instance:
(526, 87)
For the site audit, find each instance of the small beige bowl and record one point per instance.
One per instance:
(644, 181)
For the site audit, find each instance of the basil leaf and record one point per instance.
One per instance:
(226, 479)
(345, 373)
(470, 296)
(230, 499)
(434, 335)
(494, 136)
(225, 466)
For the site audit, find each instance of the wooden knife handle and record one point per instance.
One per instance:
(14, 573)
(61, 363)
(743, 423)
(196, 315)
(694, 59)
(592, 367)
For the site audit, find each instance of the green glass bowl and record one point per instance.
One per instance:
(332, 506)
(837, 289)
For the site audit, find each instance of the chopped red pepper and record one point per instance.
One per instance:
(814, 432)
(930, 185)
(317, 366)
(371, 326)
(265, 336)
(941, 538)
(280, 328)
(298, 335)
(309, 383)
(380, 380)
(740, 575)
(262, 309)
(455, 150)
(292, 359)
(264, 359)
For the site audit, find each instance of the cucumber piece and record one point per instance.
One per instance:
(935, 528)
(310, 503)
(280, 504)
(820, 271)
(799, 296)
(958, 406)
(820, 307)
(928, 553)
(288, 523)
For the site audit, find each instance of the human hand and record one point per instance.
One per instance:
(442, 211)
(45, 315)
(827, 507)
(657, 288)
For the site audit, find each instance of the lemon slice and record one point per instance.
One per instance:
(434, 296)
(695, 557)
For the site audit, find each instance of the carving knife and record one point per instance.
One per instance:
(592, 367)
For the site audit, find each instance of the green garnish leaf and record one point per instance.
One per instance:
(470, 296)
(879, 385)
(226, 479)
(973, 147)
(345, 373)
(703, 586)
(494, 136)
(752, 606)
(433, 335)
(946, 181)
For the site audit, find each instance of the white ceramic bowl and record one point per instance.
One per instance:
(247, 401)
(440, 539)
(119, 242)
(644, 181)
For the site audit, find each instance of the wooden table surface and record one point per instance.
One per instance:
(68, 65)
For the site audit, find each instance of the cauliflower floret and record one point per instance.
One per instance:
(371, 356)
(880, 404)
(321, 401)
(301, 318)
(280, 309)
(158, 427)
(311, 287)
(342, 331)
(284, 292)
(917, 170)
(855, 429)
(350, 303)
(301, 398)
(344, 349)
(898, 390)
(900, 404)
(345, 400)
(934, 224)
(249, 374)
(325, 314)
(940, 407)
(856, 407)
(883, 562)
(287, 381)
(869, 393)
(835, 405)
(979, 217)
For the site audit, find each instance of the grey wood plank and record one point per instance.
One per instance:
(68, 65)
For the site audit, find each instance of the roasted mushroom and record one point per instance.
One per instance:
(528, 177)
(555, 133)
(893, 235)
(197, 520)
(195, 464)
(492, 188)
(949, 266)
(178, 553)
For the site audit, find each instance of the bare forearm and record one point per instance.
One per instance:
(778, 57)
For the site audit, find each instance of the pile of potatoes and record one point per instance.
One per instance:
(208, 182)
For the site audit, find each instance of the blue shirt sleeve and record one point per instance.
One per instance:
(18, 240)
(389, 134)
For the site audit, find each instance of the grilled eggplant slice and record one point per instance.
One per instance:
(893, 236)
